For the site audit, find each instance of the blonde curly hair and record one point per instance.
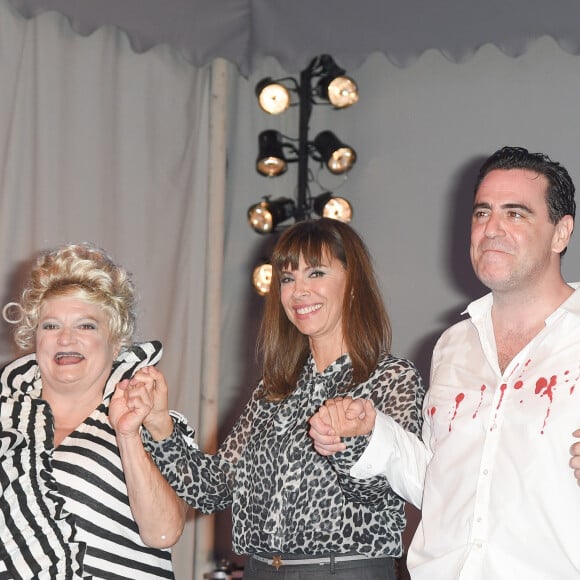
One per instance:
(80, 271)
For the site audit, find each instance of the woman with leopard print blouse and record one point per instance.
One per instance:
(325, 333)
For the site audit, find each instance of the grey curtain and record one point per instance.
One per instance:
(246, 31)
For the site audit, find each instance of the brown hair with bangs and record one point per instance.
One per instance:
(365, 324)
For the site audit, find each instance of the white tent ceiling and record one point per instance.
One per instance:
(246, 31)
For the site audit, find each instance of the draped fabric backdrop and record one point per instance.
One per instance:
(245, 32)
(100, 144)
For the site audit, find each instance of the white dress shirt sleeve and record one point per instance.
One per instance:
(396, 454)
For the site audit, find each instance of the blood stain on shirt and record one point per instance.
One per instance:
(458, 400)
(545, 388)
(502, 389)
(482, 390)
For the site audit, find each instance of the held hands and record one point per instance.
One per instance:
(575, 461)
(141, 400)
(340, 417)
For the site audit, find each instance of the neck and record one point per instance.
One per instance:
(528, 307)
(517, 319)
(70, 409)
(325, 354)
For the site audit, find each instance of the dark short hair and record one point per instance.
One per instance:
(560, 192)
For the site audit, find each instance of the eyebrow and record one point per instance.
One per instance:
(521, 206)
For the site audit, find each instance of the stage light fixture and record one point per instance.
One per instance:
(273, 96)
(341, 91)
(271, 161)
(263, 217)
(338, 157)
(322, 82)
(262, 278)
(337, 208)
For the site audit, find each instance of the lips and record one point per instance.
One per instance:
(68, 358)
(302, 310)
(491, 247)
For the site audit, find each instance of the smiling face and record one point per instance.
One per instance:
(73, 346)
(514, 244)
(312, 297)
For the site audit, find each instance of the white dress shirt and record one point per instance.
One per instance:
(500, 501)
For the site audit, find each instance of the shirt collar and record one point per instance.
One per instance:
(480, 307)
(331, 369)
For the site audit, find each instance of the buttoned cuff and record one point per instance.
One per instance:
(182, 433)
(372, 461)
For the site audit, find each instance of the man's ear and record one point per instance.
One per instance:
(563, 233)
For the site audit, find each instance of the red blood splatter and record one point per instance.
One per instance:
(482, 390)
(458, 400)
(502, 388)
(543, 388)
(572, 389)
(518, 385)
(432, 411)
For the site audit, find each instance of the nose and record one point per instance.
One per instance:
(300, 286)
(494, 226)
(66, 335)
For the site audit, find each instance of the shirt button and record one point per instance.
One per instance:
(485, 471)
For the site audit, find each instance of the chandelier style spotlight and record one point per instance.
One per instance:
(266, 215)
(338, 157)
(340, 90)
(273, 96)
(323, 82)
(271, 161)
(337, 208)
(262, 278)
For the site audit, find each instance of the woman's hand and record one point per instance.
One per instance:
(142, 400)
(158, 422)
(340, 417)
(575, 461)
(130, 404)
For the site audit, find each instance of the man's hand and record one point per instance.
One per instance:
(340, 417)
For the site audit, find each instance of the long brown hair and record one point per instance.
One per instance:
(365, 324)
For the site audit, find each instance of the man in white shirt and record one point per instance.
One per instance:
(492, 471)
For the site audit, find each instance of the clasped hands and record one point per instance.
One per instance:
(141, 400)
(340, 417)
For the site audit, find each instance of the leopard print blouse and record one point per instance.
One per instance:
(285, 497)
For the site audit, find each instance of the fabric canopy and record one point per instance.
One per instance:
(246, 31)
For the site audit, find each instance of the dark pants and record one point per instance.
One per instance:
(371, 569)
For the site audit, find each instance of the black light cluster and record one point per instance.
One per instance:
(323, 82)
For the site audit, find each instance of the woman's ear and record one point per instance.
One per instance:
(116, 349)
